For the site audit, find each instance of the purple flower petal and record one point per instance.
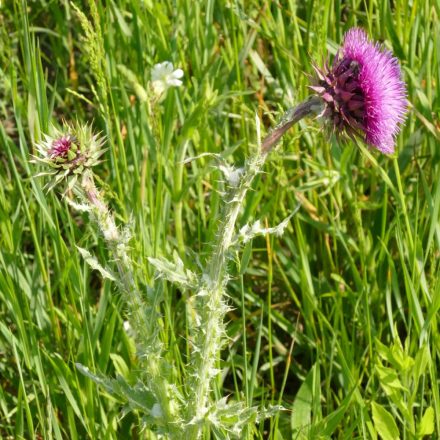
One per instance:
(384, 91)
(369, 96)
(60, 147)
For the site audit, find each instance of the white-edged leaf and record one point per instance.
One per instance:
(175, 272)
(94, 264)
(137, 396)
(80, 207)
(247, 232)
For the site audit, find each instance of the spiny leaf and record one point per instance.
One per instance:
(175, 272)
(94, 264)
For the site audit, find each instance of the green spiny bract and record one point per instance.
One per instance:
(68, 152)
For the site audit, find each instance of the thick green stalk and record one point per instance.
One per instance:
(212, 308)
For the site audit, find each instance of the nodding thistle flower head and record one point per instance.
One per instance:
(69, 151)
(362, 92)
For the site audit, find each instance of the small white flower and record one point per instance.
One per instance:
(163, 76)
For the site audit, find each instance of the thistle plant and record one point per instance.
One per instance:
(361, 95)
(211, 296)
(71, 153)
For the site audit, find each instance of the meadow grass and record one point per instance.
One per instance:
(336, 320)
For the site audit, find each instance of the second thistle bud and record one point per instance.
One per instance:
(69, 151)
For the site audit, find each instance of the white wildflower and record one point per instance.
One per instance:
(163, 76)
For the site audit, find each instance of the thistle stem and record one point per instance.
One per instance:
(212, 308)
(145, 318)
(291, 117)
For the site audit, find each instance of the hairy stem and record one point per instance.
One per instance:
(144, 317)
(212, 307)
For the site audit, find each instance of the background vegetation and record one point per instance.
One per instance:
(336, 320)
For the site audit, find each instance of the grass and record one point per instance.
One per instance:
(336, 320)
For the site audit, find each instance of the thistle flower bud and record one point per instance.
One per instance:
(69, 151)
(362, 92)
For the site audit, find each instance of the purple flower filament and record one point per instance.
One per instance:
(363, 92)
(61, 147)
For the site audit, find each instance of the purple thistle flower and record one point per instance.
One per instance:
(363, 92)
(60, 147)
